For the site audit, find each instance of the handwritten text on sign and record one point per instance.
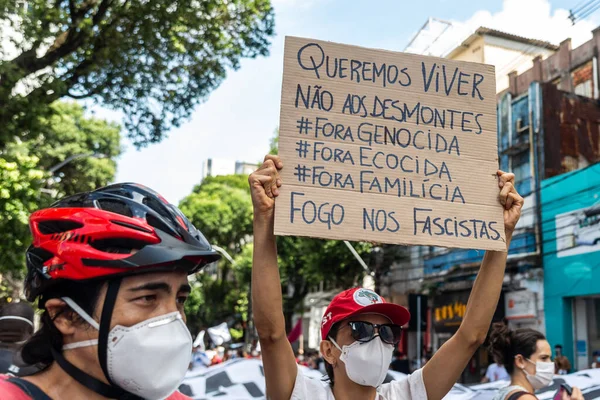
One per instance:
(387, 147)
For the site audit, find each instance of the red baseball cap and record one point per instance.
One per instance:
(360, 301)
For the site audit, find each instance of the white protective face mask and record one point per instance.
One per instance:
(544, 374)
(366, 363)
(148, 359)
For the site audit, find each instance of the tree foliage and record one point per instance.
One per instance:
(221, 207)
(70, 132)
(25, 177)
(20, 183)
(154, 60)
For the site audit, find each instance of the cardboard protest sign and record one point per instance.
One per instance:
(387, 147)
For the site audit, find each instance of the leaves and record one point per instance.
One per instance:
(20, 183)
(150, 59)
(68, 132)
(221, 208)
(25, 177)
(222, 211)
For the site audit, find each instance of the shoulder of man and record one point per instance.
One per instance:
(178, 396)
(11, 391)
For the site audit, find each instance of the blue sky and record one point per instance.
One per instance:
(238, 119)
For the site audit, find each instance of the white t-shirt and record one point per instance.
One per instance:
(407, 389)
(497, 372)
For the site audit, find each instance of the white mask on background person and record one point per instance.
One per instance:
(366, 363)
(148, 359)
(544, 374)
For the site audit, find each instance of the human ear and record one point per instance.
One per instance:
(327, 349)
(61, 316)
(520, 362)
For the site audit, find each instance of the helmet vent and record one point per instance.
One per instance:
(130, 226)
(158, 224)
(115, 206)
(118, 245)
(157, 206)
(57, 226)
(38, 255)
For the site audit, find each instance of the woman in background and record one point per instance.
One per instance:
(526, 355)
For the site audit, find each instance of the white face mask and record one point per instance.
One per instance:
(544, 374)
(148, 359)
(366, 363)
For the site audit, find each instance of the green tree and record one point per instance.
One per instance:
(221, 208)
(20, 183)
(154, 60)
(24, 173)
(305, 262)
(70, 132)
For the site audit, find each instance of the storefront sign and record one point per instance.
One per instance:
(449, 310)
(520, 304)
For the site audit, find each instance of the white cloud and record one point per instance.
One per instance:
(534, 19)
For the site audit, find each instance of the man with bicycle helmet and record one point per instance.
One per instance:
(109, 268)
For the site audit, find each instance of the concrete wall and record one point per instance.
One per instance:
(472, 53)
(506, 55)
(517, 57)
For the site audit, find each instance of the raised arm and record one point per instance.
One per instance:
(448, 363)
(267, 303)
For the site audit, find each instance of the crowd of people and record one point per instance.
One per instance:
(108, 270)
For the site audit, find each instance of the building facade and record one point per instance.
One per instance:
(571, 226)
(548, 117)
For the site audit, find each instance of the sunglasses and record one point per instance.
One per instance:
(363, 332)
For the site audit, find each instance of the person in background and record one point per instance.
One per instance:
(400, 363)
(495, 372)
(200, 360)
(360, 330)
(16, 326)
(561, 362)
(526, 355)
(596, 356)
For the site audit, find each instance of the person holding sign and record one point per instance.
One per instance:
(359, 329)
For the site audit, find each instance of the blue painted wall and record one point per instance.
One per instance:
(568, 275)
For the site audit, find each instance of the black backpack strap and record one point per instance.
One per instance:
(29, 388)
(516, 395)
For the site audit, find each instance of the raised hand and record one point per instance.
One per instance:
(264, 186)
(510, 199)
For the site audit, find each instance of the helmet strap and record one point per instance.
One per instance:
(110, 391)
(96, 385)
(107, 311)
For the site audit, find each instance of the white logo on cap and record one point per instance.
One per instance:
(326, 318)
(366, 297)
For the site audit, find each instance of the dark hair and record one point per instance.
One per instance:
(558, 346)
(505, 344)
(37, 350)
(333, 331)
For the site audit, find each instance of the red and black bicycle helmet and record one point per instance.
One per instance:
(120, 229)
